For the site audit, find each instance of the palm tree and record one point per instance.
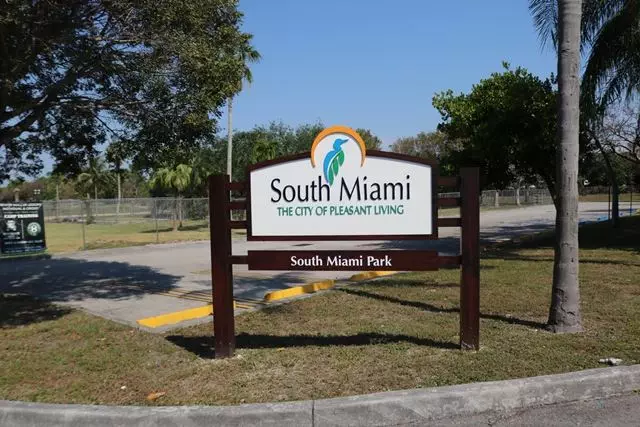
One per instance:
(177, 180)
(115, 155)
(610, 34)
(564, 314)
(248, 56)
(263, 149)
(96, 175)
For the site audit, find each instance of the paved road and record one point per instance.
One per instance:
(613, 412)
(129, 284)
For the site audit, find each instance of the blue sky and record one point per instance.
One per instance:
(377, 63)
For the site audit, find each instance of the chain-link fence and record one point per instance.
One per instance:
(112, 211)
(87, 224)
(517, 197)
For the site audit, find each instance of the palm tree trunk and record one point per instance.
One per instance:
(175, 213)
(180, 213)
(564, 314)
(95, 191)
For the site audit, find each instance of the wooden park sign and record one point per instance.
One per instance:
(341, 191)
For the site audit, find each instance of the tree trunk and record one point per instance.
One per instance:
(119, 197)
(175, 214)
(229, 139)
(95, 191)
(57, 200)
(615, 188)
(89, 214)
(564, 314)
(180, 213)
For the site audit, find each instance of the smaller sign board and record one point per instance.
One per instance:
(21, 228)
(343, 260)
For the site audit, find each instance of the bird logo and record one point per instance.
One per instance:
(335, 158)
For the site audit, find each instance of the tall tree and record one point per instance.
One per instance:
(596, 135)
(609, 33)
(73, 71)
(264, 149)
(506, 125)
(176, 180)
(371, 140)
(622, 128)
(430, 145)
(116, 156)
(424, 144)
(248, 56)
(564, 314)
(95, 176)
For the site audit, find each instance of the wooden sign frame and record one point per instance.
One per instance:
(222, 260)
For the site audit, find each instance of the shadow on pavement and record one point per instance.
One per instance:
(67, 279)
(202, 346)
(167, 229)
(442, 245)
(21, 310)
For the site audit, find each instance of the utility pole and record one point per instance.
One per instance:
(229, 137)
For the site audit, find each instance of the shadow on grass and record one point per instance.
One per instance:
(597, 235)
(21, 310)
(399, 282)
(203, 346)
(515, 256)
(434, 309)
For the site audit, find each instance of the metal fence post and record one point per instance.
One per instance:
(155, 217)
(83, 220)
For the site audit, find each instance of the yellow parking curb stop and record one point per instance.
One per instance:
(299, 290)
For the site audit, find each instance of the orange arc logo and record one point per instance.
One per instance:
(338, 129)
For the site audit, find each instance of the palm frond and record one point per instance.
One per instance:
(545, 19)
(614, 59)
(624, 83)
(596, 13)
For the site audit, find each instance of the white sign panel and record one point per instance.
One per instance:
(340, 191)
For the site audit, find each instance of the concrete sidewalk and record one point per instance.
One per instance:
(129, 284)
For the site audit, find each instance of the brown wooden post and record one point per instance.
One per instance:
(470, 246)
(221, 267)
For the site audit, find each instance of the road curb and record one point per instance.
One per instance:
(379, 409)
(25, 257)
(295, 291)
(361, 277)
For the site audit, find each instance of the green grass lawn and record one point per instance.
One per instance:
(395, 333)
(67, 237)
